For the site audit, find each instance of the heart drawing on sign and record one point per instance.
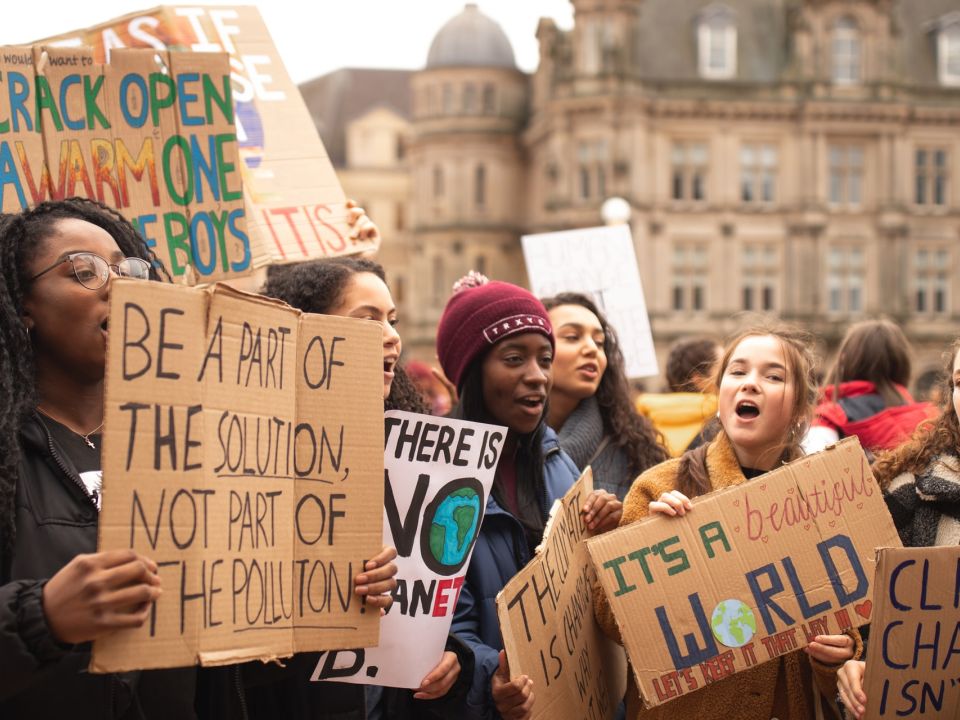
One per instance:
(864, 609)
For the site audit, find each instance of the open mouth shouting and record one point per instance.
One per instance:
(532, 404)
(747, 410)
(389, 365)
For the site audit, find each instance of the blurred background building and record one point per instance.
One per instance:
(794, 157)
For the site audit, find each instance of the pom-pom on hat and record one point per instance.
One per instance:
(481, 313)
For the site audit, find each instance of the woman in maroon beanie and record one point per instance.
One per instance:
(496, 345)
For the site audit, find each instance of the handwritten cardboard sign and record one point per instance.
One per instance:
(600, 263)
(751, 573)
(151, 134)
(242, 452)
(546, 617)
(913, 657)
(438, 474)
(295, 205)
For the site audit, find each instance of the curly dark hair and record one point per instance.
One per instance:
(317, 286)
(692, 476)
(689, 362)
(626, 428)
(937, 436)
(21, 236)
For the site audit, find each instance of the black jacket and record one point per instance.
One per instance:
(56, 519)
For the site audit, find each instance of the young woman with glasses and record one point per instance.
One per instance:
(57, 593)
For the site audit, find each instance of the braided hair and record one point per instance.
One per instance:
(21, 238)
(317, 286)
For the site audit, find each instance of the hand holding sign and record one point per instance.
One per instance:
(378, 579)
(514, 697)
(439, 681)
(98, 593)
(601, 511)
(832, 649)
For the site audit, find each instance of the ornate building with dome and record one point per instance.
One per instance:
(792, 157)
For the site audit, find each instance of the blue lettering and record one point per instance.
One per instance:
(695, 654)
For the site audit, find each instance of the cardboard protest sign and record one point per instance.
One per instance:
(150, 134)
(438, 474)
(750, 573)
(295, 205)
(913, 657)
(600, 263)
(241, 452)
(546, 618)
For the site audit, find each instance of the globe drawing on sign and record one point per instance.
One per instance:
(733, 623)
(454, 519)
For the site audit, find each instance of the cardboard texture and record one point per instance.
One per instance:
(439, 472)
(548, 627)
(242, 452)
(295, 205)
(913, 657)
(600, 263)
(150, 134)
(750, 573)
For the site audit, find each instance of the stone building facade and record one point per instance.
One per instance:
(793, 157)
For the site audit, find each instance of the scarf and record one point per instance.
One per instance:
(926, 507)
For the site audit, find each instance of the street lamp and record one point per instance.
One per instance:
(615, 211)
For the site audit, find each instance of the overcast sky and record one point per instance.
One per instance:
(330, 34)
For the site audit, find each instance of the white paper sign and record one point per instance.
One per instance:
(438, 473)
(600, 263)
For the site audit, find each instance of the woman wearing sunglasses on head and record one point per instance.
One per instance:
(57, 593)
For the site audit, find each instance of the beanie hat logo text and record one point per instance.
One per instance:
(513, 324)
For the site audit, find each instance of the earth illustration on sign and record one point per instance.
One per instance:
(733, 623)
(454, 526)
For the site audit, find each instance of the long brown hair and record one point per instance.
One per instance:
(692, 478)
(876, 351)
(627, 429)
(938, 436)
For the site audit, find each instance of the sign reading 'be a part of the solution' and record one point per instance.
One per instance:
(243, 453)
(749, 574)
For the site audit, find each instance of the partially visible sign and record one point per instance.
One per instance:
(913, 657)
(549, 632)
(150, 134)
(295, 205)
(438, 474)
(600, 263)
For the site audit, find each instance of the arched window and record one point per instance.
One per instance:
(480, 186)
(845, 50)
(717, 43)
(948, 49)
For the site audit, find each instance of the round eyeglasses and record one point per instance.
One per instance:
(93, 271)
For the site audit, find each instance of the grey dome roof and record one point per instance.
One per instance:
(471, 38)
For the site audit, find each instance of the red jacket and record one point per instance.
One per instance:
(861, 411)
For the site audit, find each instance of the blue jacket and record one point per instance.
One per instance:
(499, 554)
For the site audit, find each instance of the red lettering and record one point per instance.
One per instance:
(440, 603)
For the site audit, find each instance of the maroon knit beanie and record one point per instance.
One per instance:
(481, 313)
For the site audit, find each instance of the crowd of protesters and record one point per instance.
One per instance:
(554, 378)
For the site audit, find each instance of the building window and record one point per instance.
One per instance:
(931, 268)
(592, 169)
(931, 176)
(846, 279)
(480, 264)
(717, 43)
(761, 274)
(690, 272)
(846, 175)
(438, 188)
(399, 288)
(689, 171)
(432, 105)
(489, 100)
(480, 186)
(447, 98)
(440, 289)
(470, 99)
(845, 47)
(758, 173)
(401, 216)
(948, 49)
